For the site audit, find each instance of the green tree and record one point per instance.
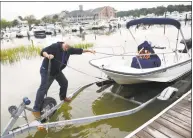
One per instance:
(37, 22)
(15, 22)
(20, 17)
(31, 19)
(46, 19)
(156, 10)
(55, 17)
(5, 23)
(160, 10)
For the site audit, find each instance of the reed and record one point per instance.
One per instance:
(12, 55)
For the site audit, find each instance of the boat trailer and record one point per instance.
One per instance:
(38, 124)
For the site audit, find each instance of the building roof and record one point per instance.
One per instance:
(90, 12)
(94, 11)
(80, 13)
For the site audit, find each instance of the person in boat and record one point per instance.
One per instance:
(59, 54)
(146, 57)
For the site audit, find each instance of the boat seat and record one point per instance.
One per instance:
(153, 62)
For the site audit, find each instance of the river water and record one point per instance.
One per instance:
(22, 79)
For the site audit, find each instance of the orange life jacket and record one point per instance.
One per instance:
(148, 54)
(144, 52)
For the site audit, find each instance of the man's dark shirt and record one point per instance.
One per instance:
(59, 56)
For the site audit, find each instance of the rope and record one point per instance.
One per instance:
(79, 70)
(109, 54)
(132, 54)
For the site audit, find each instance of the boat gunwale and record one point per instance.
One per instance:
(140, 74)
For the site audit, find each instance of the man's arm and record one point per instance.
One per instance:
(79, 51)
(48, 52)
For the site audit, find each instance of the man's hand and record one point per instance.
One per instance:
(91, 51)
(50, 56)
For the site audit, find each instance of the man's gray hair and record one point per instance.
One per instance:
(69, 42)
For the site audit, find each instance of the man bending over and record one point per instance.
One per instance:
(61, 52)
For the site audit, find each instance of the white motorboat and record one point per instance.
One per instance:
(39, 31)
(103, 24)
(96, 25)
(66, 29)
(8, 34)
(146, 65)
(22, 32)
(75, 27)
(85, 25)
(114, 22)
(50, 29)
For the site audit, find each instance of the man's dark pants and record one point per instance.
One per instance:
(45, 84)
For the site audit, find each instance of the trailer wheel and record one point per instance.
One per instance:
(12, 110)
(48, 104)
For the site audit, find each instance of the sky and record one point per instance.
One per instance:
(11, 10)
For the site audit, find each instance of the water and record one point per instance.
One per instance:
(22, 79)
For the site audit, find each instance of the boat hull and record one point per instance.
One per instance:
(167, 75)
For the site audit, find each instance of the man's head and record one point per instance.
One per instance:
(67, 44)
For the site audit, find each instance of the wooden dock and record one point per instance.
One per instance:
(173, 122)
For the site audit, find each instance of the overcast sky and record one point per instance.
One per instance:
(10, 10)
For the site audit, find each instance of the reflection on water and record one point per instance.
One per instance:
(23, 78)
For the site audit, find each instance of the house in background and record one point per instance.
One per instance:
(102, 13)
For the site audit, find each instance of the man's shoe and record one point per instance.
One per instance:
(67, 99)
(36, 114)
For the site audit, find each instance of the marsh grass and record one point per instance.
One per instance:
(12, 55)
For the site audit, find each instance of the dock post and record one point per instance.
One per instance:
(32, 43)
(186, 19)
(164, 25)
